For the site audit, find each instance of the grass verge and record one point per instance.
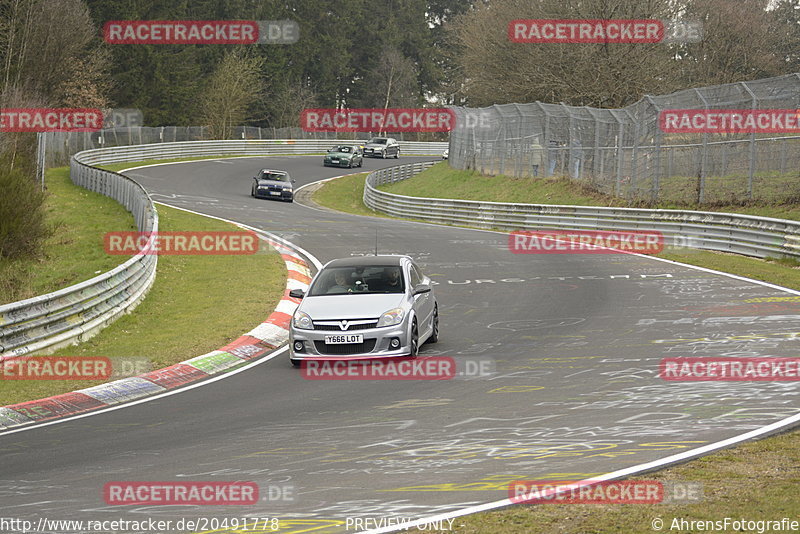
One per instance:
(197, 304)
(757, 480)
(345, 194)
(445, 182)
(74, 252)
(754, 481)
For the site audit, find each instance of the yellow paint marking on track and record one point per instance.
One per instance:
(494, 482)
(515, 389)
(773, 299)
(416, 403)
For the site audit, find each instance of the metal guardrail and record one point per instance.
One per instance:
(727, 232)
(73, 314)
(252, 147)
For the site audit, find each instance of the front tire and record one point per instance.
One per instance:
(435, 333)
(397, 154)
(295, 363)
(383, 154)
(414, 340)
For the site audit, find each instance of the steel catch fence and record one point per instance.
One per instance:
(624, 152)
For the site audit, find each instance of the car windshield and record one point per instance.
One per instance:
(378, 141)
(346, 149)
(352, 280)
(278, 177)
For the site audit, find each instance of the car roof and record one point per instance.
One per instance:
(273, 171)
(367, 261)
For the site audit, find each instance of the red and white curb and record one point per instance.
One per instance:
(264, 338)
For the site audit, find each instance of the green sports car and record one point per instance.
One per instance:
(344, 156)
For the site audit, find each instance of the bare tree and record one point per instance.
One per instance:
(741, 42)
(287, 99)
(234, 86)
(494, 69)
(48, 49)
(393, 82)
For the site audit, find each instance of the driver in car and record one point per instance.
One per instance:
(341, 285)
(393, 279)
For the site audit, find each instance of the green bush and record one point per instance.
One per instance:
(22, 217)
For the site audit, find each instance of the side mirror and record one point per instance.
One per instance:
(297, 293)
(293, 180)
(422, 288)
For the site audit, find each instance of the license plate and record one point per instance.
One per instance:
(334, 161)
(344, 339)
(276, 193)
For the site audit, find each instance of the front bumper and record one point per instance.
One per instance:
(370, 153)
(376, 344)
(340, 163)
(284, 195)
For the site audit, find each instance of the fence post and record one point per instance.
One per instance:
(520, 169)
(546, 141)
(701, 193)
(752, 168)
(40, 155)
(634, 157)
(620, 156)
(570, 133)
(659, 133)
(596, 159)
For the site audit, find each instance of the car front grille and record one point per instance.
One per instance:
(350, 327)
(344, 350)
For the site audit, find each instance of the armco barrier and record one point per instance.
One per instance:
(75, 313)
(251, 147)
(728, 232)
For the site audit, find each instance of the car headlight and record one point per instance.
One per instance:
(391, 317)
(287, 188)
(303, 321)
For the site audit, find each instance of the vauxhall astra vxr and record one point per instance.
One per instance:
(363, 308)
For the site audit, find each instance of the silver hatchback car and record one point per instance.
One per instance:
(363, 308)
